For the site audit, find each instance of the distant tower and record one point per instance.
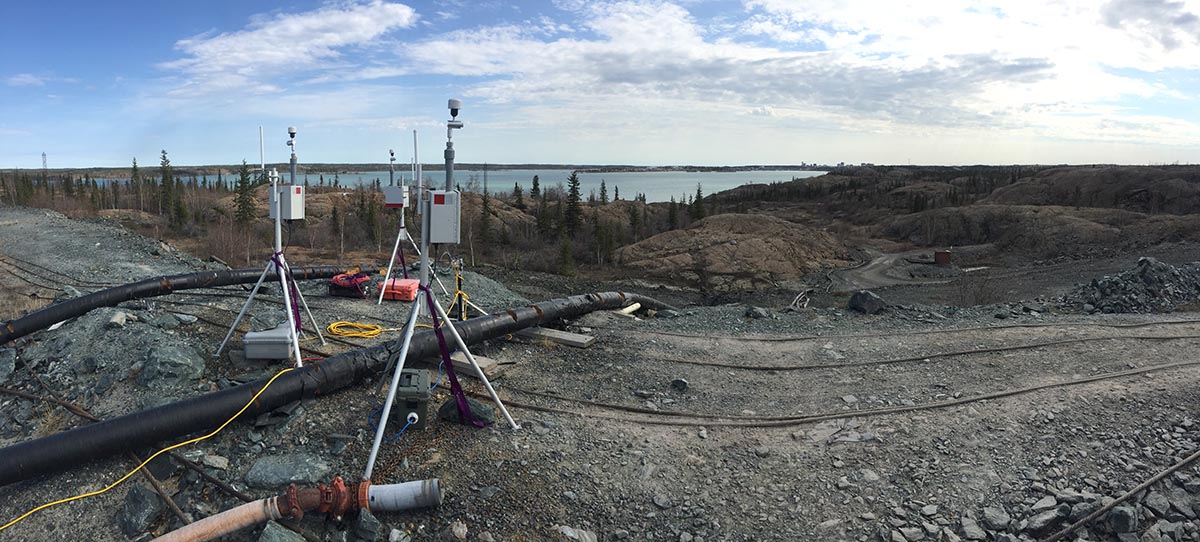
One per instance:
(43, 162)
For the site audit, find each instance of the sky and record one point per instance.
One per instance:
(596, 82)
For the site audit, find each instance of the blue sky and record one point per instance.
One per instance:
(631, 82)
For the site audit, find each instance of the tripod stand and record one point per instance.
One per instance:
(287, 284)
(437, 313)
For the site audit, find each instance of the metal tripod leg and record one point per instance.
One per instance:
(479, 372)
(245, 306)
(304, 303)
(293, 335)
(395, 249)
(391, 396)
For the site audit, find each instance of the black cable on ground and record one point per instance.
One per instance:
(787, 421)
(924, 357)
(75, 281)
(751, 338)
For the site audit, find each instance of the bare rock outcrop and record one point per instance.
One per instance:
(731, 252)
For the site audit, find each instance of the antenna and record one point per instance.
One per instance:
(262, 154)
(43, 162)
(417, 175)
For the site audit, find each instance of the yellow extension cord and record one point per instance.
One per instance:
(148, 459)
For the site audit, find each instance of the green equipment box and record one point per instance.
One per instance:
(412, 395)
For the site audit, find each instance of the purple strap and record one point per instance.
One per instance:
(464, 409)
(403, 266)
(292, 293)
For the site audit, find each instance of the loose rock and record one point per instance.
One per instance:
(271, 472)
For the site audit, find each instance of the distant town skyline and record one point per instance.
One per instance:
(695, 82)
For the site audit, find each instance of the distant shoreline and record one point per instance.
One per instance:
(315, 169)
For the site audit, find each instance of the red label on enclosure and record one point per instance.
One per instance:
(439, 199)
(297, 189)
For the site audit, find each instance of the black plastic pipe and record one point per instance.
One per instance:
(65, 450)
(44, 318)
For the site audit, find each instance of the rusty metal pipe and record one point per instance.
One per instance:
(232, 520)
(335, 500)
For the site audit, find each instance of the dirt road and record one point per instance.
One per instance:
(876, 273)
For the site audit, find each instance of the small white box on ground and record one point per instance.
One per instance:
(292, 198)
(395, 197)
(269, 344)
(444, 216)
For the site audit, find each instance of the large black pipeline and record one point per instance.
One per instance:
(157, 286)
(67, 449)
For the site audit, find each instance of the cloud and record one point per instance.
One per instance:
(843, 64)
(657, 50)
(1165, 22)
(24, 80)
(284, 43)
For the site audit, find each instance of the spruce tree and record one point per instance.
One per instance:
(696, 211)
(485, 217)
(518, 199)
(566, 258)
(536, 191)
(603, 193)
(244, 201)
(573, 214)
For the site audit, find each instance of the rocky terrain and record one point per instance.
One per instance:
(1005, 420)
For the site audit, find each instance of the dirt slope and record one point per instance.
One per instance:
(733, 251)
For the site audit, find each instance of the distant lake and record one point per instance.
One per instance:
(656, 185)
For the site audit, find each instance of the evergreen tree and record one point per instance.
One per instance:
(518, 199)
(543, 219)
(696, 211)
(573, 214)
(603, 193)
(536, 191)
(244, 201)
(616, 193)
(371, 220)
(166, 184)
(566, 259)
(485, 216)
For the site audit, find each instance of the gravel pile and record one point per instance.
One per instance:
(1151, 286)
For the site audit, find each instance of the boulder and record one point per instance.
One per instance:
(866, 302)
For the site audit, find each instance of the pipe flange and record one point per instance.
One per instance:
(364, 499)
(293, 503)
(335, 499)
